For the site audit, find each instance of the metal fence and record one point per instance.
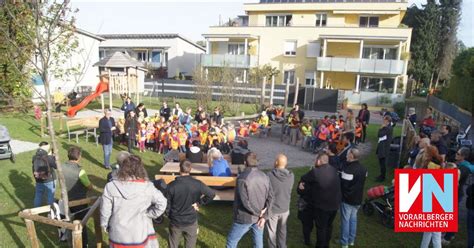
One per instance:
(449, 112)
(187, 89)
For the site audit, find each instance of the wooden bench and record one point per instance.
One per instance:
(221, 195)
(197, 168)
(87, 126)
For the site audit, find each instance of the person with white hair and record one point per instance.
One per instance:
(218, 166)
(412, 116)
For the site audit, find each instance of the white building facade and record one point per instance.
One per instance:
(168, 54)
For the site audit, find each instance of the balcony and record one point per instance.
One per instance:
(370, 66)
(228, 60)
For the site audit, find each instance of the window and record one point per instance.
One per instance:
(313, 49)
(321, 20)
(156, 56)
(368, 21)
(236, 49)
(289, 76)
(290, 48)
(278, 20)
(141, 56)
(101, 54)
(372, 84)
(379, 53)
(309, 78)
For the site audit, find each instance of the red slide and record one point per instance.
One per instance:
(101, 88)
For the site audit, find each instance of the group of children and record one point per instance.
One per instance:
(178, 133)
(326, 130)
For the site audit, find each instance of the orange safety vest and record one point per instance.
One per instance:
(322, 136)
(231, 136)
(358, 132)
(164, 138)
(341, 124)
(174, 142)
(243, 132)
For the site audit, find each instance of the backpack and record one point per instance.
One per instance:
(39, 165)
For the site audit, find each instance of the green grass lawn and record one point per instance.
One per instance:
(17, 192)
(155, 103)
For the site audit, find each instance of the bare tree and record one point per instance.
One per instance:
(51, 34)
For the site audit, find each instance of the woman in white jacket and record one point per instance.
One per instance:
(129, 204)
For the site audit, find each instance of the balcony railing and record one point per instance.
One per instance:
(373, 66)
(228, 60)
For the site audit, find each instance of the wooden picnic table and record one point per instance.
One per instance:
(197, 168)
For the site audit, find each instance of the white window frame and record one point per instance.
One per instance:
(383, 47)
(279, 17)
(240, 45)
(318, 52)
(143, 52)
(290, 53)
(368, 21)
(313, 78)
(320, 15)
(104, 53)
(294, 76)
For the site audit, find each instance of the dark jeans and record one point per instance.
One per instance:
(79, 216)
(383, 167)
(323, 220)
(470, 227)
(189, 233)
(130, 144)
(364, 133)
(307, 220)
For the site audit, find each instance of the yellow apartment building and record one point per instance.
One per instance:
(358, 46)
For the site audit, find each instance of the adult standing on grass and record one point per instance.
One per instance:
(131, 130)
(350, 125)
(185, 194)
(352, 187)
(165, 111)
(127, 107)
(106, 127)
(140, 110)
(131, 197)
(77, 184)
(281, 181)
(384, 136)
(43, 172)
(253, 199)
(364, 117)
(325, 185)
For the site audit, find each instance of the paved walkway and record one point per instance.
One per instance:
(19, 146)
(267, 149)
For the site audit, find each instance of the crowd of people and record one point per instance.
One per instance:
(131, 200)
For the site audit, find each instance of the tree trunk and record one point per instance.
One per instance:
(437, 80)
(54, 144)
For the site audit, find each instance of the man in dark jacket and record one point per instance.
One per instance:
(352, 186)
(281, 181)
(106, 127)
(185, 194)
(165, 111)
(325, 185)
(239, 152)
(127, 106)
(364, 117)
(347, 138)
(194, 153)
(43, 172)
(383, 146)
(217, 117)
(253, 199)
(131, 130)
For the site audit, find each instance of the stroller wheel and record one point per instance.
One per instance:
(387, 218)
(368, 209)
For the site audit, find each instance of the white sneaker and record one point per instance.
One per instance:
(351, 244)
(345, 246)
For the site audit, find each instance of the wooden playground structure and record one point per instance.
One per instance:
(33, 215)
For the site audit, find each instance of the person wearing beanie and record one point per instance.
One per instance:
(43, 168)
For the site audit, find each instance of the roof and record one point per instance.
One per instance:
(150, 36)
(118, 60)
(89, 34)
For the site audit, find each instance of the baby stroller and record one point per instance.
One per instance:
(381, 199)
(5, 148)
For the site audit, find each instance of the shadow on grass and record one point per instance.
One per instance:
(85, 154)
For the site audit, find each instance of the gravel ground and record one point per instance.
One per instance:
(267, 149)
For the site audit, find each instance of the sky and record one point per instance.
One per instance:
(191, 18)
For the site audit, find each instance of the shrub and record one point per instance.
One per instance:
(399, 108)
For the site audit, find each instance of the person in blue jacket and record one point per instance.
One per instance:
(218, 166)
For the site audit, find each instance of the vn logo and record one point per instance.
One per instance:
(426, 200)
